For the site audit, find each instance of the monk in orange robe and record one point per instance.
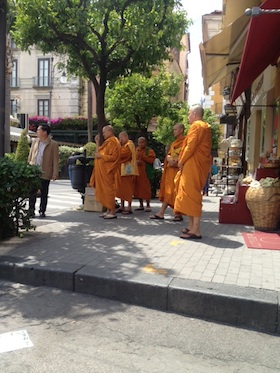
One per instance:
(106, 164)
(167, 190)
(194, 162)
(145, 157)
(126, 173)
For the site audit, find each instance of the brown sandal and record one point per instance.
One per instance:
(178, 218)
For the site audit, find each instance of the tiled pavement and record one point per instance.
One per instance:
(134, 248)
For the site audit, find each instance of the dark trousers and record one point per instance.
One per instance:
(44, 197)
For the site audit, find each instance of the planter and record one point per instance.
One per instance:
(264, 205)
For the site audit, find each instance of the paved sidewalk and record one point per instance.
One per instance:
(142, 261)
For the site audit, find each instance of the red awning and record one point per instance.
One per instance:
(262, 47)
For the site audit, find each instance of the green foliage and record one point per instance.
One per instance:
(103, 39)
(90, 148)
(22, 150)
(64, 153)
(216, 135)
(177, 113)
(164, 130)
(155, 182)
(157, 147)
(18, 180)
(11, 156)
(210, 118)
(134, 100)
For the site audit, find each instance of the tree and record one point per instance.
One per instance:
(22, 150)
(211, 118)
(134, 100)
(177, 113)
(103, 39)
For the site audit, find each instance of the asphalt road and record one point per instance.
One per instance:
(78, 333)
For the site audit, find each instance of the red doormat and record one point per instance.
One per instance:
(262, 240)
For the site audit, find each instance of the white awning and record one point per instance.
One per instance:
(222, 54)
(15, 133)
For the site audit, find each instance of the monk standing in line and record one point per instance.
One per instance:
(142, 189)
(167, 191)
(126, 173)
(193, 164)
(103, 176)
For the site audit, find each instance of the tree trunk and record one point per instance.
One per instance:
(100, 88)
(142, 130)
(89, 123)
(3, 6)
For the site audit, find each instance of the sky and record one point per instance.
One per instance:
(196, 9)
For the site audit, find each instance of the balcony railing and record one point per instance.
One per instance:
(42, 82)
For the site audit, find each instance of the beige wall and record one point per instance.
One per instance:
(211, 26)
(233, 9)
(179, 66)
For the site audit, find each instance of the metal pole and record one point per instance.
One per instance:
(51, 90)
(257, 11)
(3, 24)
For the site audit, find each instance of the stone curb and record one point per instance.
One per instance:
(257, 309)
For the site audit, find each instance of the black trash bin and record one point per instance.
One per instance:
(76, 171)
(78, 178)
(79, 170)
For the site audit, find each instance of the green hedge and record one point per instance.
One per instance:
(18, 180)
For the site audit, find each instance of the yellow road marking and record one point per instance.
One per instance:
(150, 268)
(176, 243)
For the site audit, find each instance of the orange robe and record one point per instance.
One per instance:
(196, 158)
(104, 172)
(125, 183)
(142, 187)
(167, 191)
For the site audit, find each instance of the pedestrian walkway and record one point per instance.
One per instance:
(142, 261)
(62, 196)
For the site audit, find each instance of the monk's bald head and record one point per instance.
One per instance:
(107, 132)
(142, 142)
(196, 113)
(123, 137)
(198, 110)
(178, 130)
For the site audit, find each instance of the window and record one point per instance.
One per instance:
(43, 108)
(13, 44)
(13, 106)
(14, 74)
(44, 76)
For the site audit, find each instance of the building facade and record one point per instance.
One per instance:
(39, 86)
(243, 59)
